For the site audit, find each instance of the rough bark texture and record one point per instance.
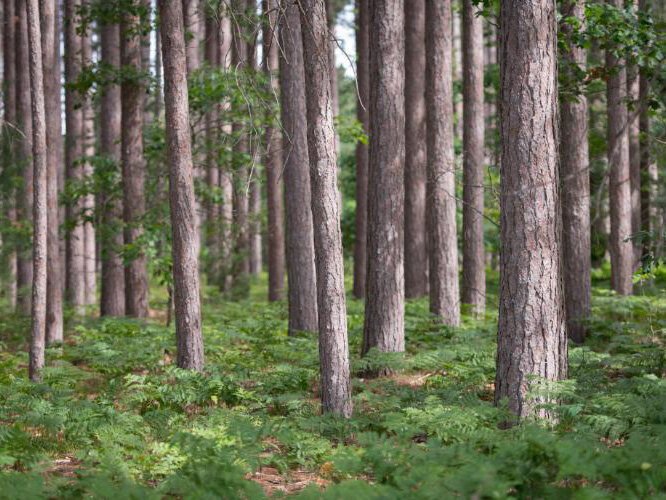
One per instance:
(531, 337)
(191, 20)
(416, 256)
(442, 237)
(647, 179)
(90, 251)
(575, 182)
(51, 70)
(75, 272)
(24, 123)
(187, 303)
(273, 139)
(633, 129)
(9, 103)
(362, 151)
(384, 327)
(302, 291)
(112, 302)
(621, 251)
(133, 169)
(39, 238)
(333, 346)
(473, 260)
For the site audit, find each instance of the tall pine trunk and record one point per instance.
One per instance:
(474, 256)
(187, 303)
(384, 327)
(532, 336)
(442, 242)
(302, 291)
(416, 257)
(39, 237)
(362, 151)
(333, 347)
(112, 302)
(575, 181)
(133, 167)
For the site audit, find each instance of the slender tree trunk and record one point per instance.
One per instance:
(181, 189)
(40, 250)
(362, 152)
(241, 206)
(133, 168)
(9, 151)
(113, 273)
(302, 291)
(633, 91)
(474, 267)
(333, 346)
(622, 260)
(256, 239)
(75, 270)
(443, 241)
(575, 181)
(331, 22)
(532, 334)
(647, 179)
(274, 190)
(384, 327)
(24, 123)
(90, 252)
(191, 20)
(416, 256)
(51, 70)
(456, 65)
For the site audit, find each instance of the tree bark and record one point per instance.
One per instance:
(112, 300)
(633, 129)
(622, 257)
(90, 252)
(416, 256)
(473, 267)
(333, 346)
(187, 304)
(9, 151)
(256, 238)
(133, 168)
(24, 275)
(274, 190)
(575, 181)
(302, 291)
(191, 20)
(362, 151)
(75, 270)
(384, 327)
(443, 241)
(532, 334)
(646, 164)
(51, 70)
(39, 245)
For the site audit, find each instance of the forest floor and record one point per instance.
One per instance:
(114, 418)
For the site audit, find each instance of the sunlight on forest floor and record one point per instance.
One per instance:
(114, 417)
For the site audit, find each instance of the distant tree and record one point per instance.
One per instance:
(331, 302)
(531, 340)
(187, 303)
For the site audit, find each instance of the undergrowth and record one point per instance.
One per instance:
(114, 418)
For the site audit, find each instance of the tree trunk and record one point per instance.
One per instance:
(191, 20)
(331, 22)
(113, 274)
(416, 256)
(302, 291)
(24, 275)
(362, 158)
(75, 270)
(39, 245)
(647, 218)
(256, 256)
(633, 90)
(532, 334)
(133, 169)
(51, 70)
(443, 241)
(274, 193)
(384, 327)
(575, 181)
(473, 267)
(9, 151)
(622, 258)
(456, 64)
(181, 189)
(90, 253)
(333, 346)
